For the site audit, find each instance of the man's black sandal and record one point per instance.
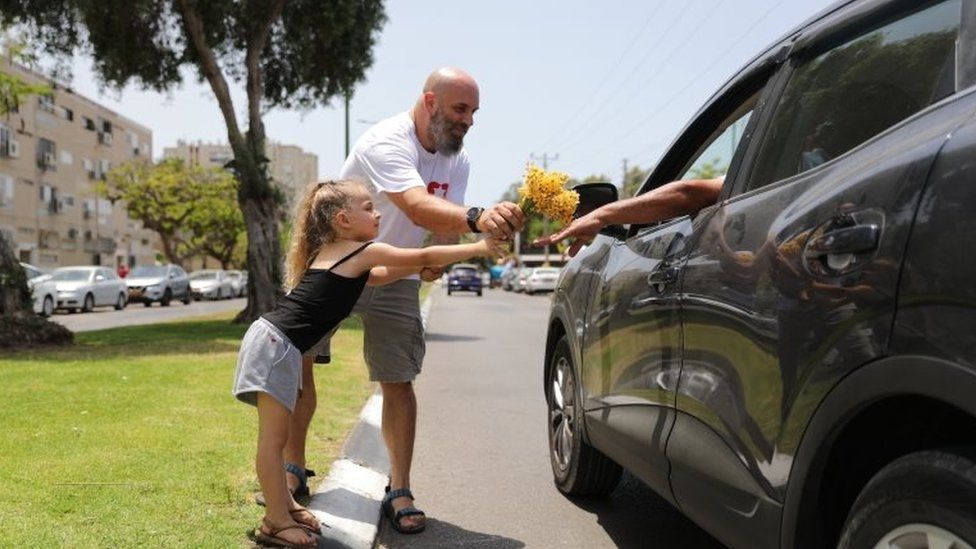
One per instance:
(396, 516)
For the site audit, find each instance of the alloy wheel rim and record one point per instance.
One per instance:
(562, 413)
(48, 306)
(921, 536)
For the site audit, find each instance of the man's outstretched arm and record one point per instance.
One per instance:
(442, 216)
(665, 202)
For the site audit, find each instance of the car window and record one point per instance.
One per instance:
(73, 275)
(464, 272)
(31, 272)
(843, 97)
(718, 151)
(148, 271)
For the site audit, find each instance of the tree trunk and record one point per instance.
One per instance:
(15, 297)
(263, 257)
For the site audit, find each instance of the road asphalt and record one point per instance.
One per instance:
(481, 462)
(136, 314)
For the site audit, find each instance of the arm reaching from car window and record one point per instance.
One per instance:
(671, 200)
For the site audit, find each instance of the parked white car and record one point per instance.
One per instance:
(88, 287)
(43, 290)
(237, 282)
(211, 284)
(542, 279)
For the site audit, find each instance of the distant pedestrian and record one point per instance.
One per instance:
(122, 270)
(331, 259)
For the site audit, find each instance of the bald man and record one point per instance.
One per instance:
(418, 170)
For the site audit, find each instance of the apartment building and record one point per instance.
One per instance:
(53, 151)
(291, 168)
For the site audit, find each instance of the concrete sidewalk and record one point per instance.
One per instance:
(348, 501)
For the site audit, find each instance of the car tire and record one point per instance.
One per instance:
(928, 495)
(88, 305)
(120, 302)
(47, 308)
(220, 295)
(187, 299)
(578, 469)
(147, 303)
(167, 298)
(479, 293)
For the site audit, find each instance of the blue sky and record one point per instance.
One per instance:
(591, 82)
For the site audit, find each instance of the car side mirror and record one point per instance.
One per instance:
(595, 195)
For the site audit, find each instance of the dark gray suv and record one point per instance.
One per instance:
(795, 365)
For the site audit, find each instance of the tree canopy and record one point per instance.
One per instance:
(286, 53)
(191, 208)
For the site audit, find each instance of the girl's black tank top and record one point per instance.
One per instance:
(320, 301)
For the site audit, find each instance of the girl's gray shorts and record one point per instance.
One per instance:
(268, 363)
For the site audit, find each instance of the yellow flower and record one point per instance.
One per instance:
(543, 191)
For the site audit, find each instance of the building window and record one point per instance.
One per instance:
(45, 103)
(67, 157)
(68, 114)
(46, 151)
(6, 191)
(88, 123)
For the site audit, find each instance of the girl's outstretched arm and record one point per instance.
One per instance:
(391, 256)
(382, 274)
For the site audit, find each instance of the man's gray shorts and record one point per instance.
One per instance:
(393, 341)
(269, 363)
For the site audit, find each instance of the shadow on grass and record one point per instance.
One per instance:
(199, 337)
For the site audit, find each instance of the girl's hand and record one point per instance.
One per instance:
(495, 247)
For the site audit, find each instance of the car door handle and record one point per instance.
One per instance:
(662, 277)
(845, 240)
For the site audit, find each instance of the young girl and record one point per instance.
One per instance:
(330, 261)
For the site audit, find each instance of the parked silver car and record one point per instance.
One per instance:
(43, 290)
(158, 284)
(88, 287)
(238, 282)
(211, 284)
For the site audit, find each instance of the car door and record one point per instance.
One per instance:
(634, 337)
(790, 284)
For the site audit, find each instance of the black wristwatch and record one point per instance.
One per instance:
(473, 215)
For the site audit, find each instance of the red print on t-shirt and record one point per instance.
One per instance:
(433, 187)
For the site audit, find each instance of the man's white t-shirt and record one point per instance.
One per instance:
(391, 158)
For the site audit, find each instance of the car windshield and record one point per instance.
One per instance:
(464, 272)
(209, 275)
(71, 276)
(233, 275)
(546, 271)
(148, 271)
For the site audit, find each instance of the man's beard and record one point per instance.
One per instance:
(440, 130)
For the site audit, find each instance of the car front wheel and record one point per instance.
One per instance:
(89, 304)
(924, 500)
(577, 467)
(120, 302)
(167, 298)
(47, 308)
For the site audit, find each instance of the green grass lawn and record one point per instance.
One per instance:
(132, 438)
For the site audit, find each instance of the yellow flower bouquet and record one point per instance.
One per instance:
(543, 191)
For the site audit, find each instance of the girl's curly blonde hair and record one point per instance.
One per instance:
(314, 220)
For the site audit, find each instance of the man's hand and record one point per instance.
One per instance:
(501, 220)
(431, 273)
(583, 230)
